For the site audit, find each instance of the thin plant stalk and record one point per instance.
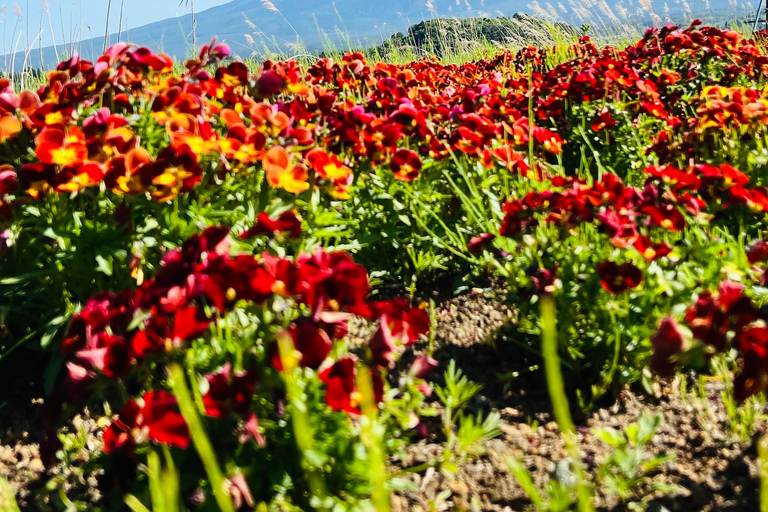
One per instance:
(106, 28)
(40, 41)
(371, 434)
(120, 23)
(53, 36)
(762, 463)
(135, 504)
(194, 25)
(199, 437)
(299, 415)
(559, 400)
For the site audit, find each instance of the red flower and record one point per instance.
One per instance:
(650, 250)
(288, 222)
(753, 377)
(511, 159)
(543, 280)
(8, 180)
(405, 323)
(55, 146)
(154, 417)
(478, 243)
(382, 346)
(757, 251)
(311, 340)
(269, 84)
(406, 164)
(619, 278)
(422, 366)
(666, 216)
(342, 393)
(725, 174)
(335, 282)
(229, 392)
(708, 321)
(152, 338)
(240, 278)
(604, 120)
(107, 353)
(675, 177)
(189, 323)
(667, 342)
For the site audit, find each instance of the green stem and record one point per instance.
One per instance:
(762, 451)
(134, 504)
(371, 434)
(302, 428)
(199, 437)
(559, 399)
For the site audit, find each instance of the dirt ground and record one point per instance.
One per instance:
(712, 471)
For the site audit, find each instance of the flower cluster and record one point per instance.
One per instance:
(718, 322)
(116, 335)
(625, 213)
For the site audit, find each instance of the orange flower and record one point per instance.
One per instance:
(328, 166)
(276, 163)
(243, 145)
(10, 126)
(295, 181)
(126, 172)
(230, 117)
(277, 121)
(54, 146)
(175, 170)
(281, 173)
(75, 177)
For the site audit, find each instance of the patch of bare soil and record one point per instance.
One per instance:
(711, 470)
(20, 420)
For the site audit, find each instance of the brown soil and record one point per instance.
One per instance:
(712, 471)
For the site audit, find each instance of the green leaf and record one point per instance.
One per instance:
(104, 265)
(610, 436)
(450, 467)
(648, 424)
(403, 485)
(316, 458)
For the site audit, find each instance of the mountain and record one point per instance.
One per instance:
(251, 26)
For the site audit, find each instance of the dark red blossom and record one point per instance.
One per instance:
(619, 278)
(753, 376)
(757, 251)
(405, 164)
(342, 393)
(154, 417)
(478, 243)
(334, 281)
(287, 223)
(8, 180)
(229, 392)
(666, 216)
(311, 341)
(405, 323)
(544, 280)
(708, 321)
(667, 342)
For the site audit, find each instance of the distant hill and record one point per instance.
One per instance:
(251, 26)
(440, 35)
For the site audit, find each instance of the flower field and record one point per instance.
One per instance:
(239, 272)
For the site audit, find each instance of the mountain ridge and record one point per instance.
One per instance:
(250, 26)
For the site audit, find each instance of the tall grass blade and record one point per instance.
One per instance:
(559, 399)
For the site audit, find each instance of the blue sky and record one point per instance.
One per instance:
(66, 16)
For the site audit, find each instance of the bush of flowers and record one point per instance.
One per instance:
(262, 342)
